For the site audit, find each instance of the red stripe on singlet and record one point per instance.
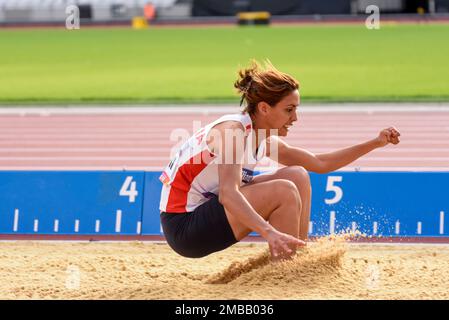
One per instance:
(180, 187)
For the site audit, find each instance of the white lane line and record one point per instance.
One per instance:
(310, 227)
(421, 159)
(16, 220)
(84, 158)
(441, 222)
(393, 168)
(309, 143)
(87, 158)
(374, 227)
(139, 227)
(408, 122)
(159, 168)
(131, 109)
(167, 150)
(97, 226)
(134, 127)
(36, 225)
(419, 227)
(294, 135)
(82, 168)
(102, 149)
(56, 226)
(118, 221)
(332, 222)
(61, 135)
(184, 131)
(77, 225)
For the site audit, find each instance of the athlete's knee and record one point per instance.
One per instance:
(299, 175)
(286, 192)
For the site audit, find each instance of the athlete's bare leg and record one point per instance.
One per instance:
(277, 201)
(300, 177)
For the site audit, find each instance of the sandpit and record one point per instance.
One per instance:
(327, 269)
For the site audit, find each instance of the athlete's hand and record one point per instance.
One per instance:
(282, 245)
(389, 135)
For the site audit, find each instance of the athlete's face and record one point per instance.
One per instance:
(283, 114)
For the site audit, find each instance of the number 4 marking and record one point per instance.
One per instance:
(129, 189)
(336, 189)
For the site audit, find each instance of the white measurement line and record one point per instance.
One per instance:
(353, 226)
(36, 225)
(118, 221)
(77, 225)
(397, 227)
(332, 222)
(310, 227)
(56, 225)
(16, 220)
(441, 222)
(419, 227)
(374, 227)
(139, 227)
(160, 228)
(97, 226)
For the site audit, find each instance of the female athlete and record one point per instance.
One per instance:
(210, 198)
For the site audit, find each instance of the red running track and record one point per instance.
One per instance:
(55, 139)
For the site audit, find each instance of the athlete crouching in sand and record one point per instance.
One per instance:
(210, 199)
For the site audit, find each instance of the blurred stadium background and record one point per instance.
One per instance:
(112, 11)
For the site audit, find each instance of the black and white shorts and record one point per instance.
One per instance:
(199, 233)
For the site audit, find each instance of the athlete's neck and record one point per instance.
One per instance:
(261, 131)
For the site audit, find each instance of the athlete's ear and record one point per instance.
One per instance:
(263, 108)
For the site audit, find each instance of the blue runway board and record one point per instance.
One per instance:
(413, 204)
(71, 202)
(150, 217)
(127, 203)
(381, 203)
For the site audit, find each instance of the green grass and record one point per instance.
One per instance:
(332, 63)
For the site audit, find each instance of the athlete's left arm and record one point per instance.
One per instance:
(330, 161)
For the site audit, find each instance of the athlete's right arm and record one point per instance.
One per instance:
(229, 146)
(230, 152)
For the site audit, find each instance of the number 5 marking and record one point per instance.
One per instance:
(129, 189)
(331, 187)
